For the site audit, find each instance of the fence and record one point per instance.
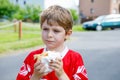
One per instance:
(14, 24)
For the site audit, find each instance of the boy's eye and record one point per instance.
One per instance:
(56, 31)
(45, 29)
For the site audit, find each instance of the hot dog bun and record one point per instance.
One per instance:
(39, 56)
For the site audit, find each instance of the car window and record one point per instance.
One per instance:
(100, 18)
(112, 18)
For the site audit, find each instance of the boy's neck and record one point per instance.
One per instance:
(59, 49)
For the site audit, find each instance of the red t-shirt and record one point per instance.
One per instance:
(72, 63)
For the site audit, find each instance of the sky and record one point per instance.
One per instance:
(64, 3)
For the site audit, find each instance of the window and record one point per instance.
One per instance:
(114, 11)
(91, 10)
(114, 1)
(24, 2)
(16, 0)
(92, 1)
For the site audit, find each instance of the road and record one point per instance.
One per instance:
(100, 51)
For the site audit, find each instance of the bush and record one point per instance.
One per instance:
(28, 13)
(74, 15)
(7, 9)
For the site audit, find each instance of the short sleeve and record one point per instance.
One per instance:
(26, 69)
(24, 72)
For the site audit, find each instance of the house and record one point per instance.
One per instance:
(22, 3)
(94, 8)
(46, 3)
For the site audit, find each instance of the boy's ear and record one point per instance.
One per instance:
(68, 34)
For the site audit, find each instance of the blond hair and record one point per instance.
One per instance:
(57, 14)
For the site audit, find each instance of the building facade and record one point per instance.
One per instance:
(94, 8)
(23, 3)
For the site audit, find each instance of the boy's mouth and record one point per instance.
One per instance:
(49, 40)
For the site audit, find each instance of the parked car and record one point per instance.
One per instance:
(103, 22)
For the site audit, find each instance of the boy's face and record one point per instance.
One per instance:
(53, 36)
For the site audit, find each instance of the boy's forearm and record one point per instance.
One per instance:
(64, 77)
(34, 78)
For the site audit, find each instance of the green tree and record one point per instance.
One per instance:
(7, 9)
(35, 13)
(74, 15)
(19, 14)
(28, 13)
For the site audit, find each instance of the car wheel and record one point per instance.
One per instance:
(99, 28)
(112, 28)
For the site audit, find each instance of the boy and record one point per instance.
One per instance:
(56, 25)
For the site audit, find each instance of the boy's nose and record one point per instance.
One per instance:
(50, 34)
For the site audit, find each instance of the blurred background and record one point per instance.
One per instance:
(96, 32)
(84, 9)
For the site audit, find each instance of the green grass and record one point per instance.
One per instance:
(9, 40)
(78, 28)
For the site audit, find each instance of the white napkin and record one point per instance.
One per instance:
(52, 55)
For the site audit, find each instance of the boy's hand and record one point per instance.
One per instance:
(57, 66)
(39, 69)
